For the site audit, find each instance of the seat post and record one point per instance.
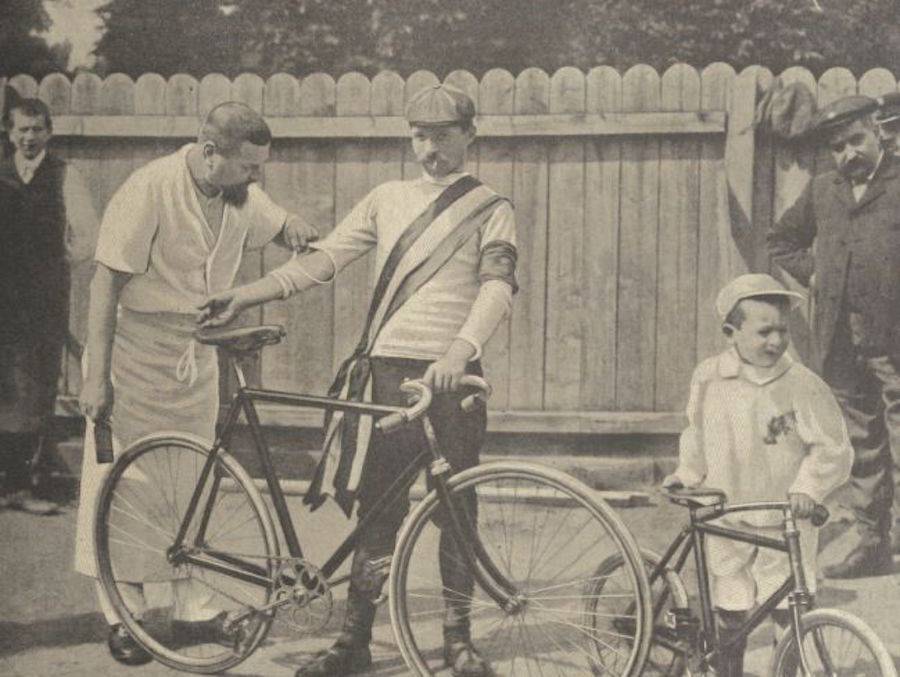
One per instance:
(238, 371)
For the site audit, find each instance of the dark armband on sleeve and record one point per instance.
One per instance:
(498, 262)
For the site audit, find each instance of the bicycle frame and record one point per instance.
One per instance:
(486, 574)
(693, 538)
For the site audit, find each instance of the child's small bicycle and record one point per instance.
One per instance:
(179, 516)
(831, 642)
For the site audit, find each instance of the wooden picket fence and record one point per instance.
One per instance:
(637, 196)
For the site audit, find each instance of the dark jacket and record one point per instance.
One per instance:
(34, 274)
(826, 215)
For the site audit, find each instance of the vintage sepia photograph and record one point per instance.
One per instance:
(470, 338)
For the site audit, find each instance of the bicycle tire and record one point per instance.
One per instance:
(529, 495)
(785, 657)
(152, 481)
(661, 661)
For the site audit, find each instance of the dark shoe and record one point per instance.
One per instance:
(862, 561)
(215, 630)
(341, 659)
(24, 501)
(124, 648)
(462, 658)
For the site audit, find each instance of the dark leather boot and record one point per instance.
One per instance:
(350, 653)
(460, 656)
(730, 663)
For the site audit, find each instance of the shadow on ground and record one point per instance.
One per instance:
(85, 628)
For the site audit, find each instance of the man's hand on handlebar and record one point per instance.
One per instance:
(444, 375)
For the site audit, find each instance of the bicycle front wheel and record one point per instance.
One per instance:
(835, 643)
(546, 534)
(195, 606)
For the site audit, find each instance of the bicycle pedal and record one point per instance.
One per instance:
(381, 599)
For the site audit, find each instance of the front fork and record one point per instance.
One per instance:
(474, 555)
(800, 600)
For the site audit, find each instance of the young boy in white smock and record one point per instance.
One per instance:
(761, 427)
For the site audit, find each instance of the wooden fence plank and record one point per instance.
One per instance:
(601, 245)
(56, 91)
(877, 81)
(564, 349)
(215, 88)
(248, 88)
(530, 185)
(352, 289)
(636, 352)
(794, 166)
(676, 294)
(715, 259)
(495, 168)
(308, 317)
(182, 94)
(150, 94)
(834, 84)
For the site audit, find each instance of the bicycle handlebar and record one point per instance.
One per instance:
(818, 517)
(422, 396)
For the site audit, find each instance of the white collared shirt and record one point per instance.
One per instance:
(25, 167)
(759, 434)
(155, 229)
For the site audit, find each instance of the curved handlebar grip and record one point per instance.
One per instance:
(484, 391)
(391, 422)
(421, 398)
(819, 516)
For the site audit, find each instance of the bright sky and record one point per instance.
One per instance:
(75, 21)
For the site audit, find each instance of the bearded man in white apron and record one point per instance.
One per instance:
(173, 233)
(445, 256)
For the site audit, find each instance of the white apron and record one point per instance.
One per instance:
(150, 351)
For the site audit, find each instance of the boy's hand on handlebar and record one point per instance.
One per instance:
(220, 309)
(802, 505)
(672, 482)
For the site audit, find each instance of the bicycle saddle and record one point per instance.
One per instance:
(241, 339)
(695, 498)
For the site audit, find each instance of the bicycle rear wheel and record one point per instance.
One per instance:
(194, 608)
(610, 587)
(835, 643)
(547, 534)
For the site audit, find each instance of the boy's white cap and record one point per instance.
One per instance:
(748, 286)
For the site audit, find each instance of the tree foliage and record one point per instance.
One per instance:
(335, 36)
(23, 50)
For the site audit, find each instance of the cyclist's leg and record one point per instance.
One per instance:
(460, 436)
(387, 457)
(733, 594)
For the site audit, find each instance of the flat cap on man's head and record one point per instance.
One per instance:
(439, 106)
(842, 112)
(888, 107)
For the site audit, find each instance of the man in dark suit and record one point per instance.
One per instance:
(47, 222)
(842, 238)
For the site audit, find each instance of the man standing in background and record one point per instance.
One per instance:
(841, 239)
(47, 223)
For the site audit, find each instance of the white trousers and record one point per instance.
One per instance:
(743, 575)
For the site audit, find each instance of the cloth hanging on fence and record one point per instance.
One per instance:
(786, 111)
